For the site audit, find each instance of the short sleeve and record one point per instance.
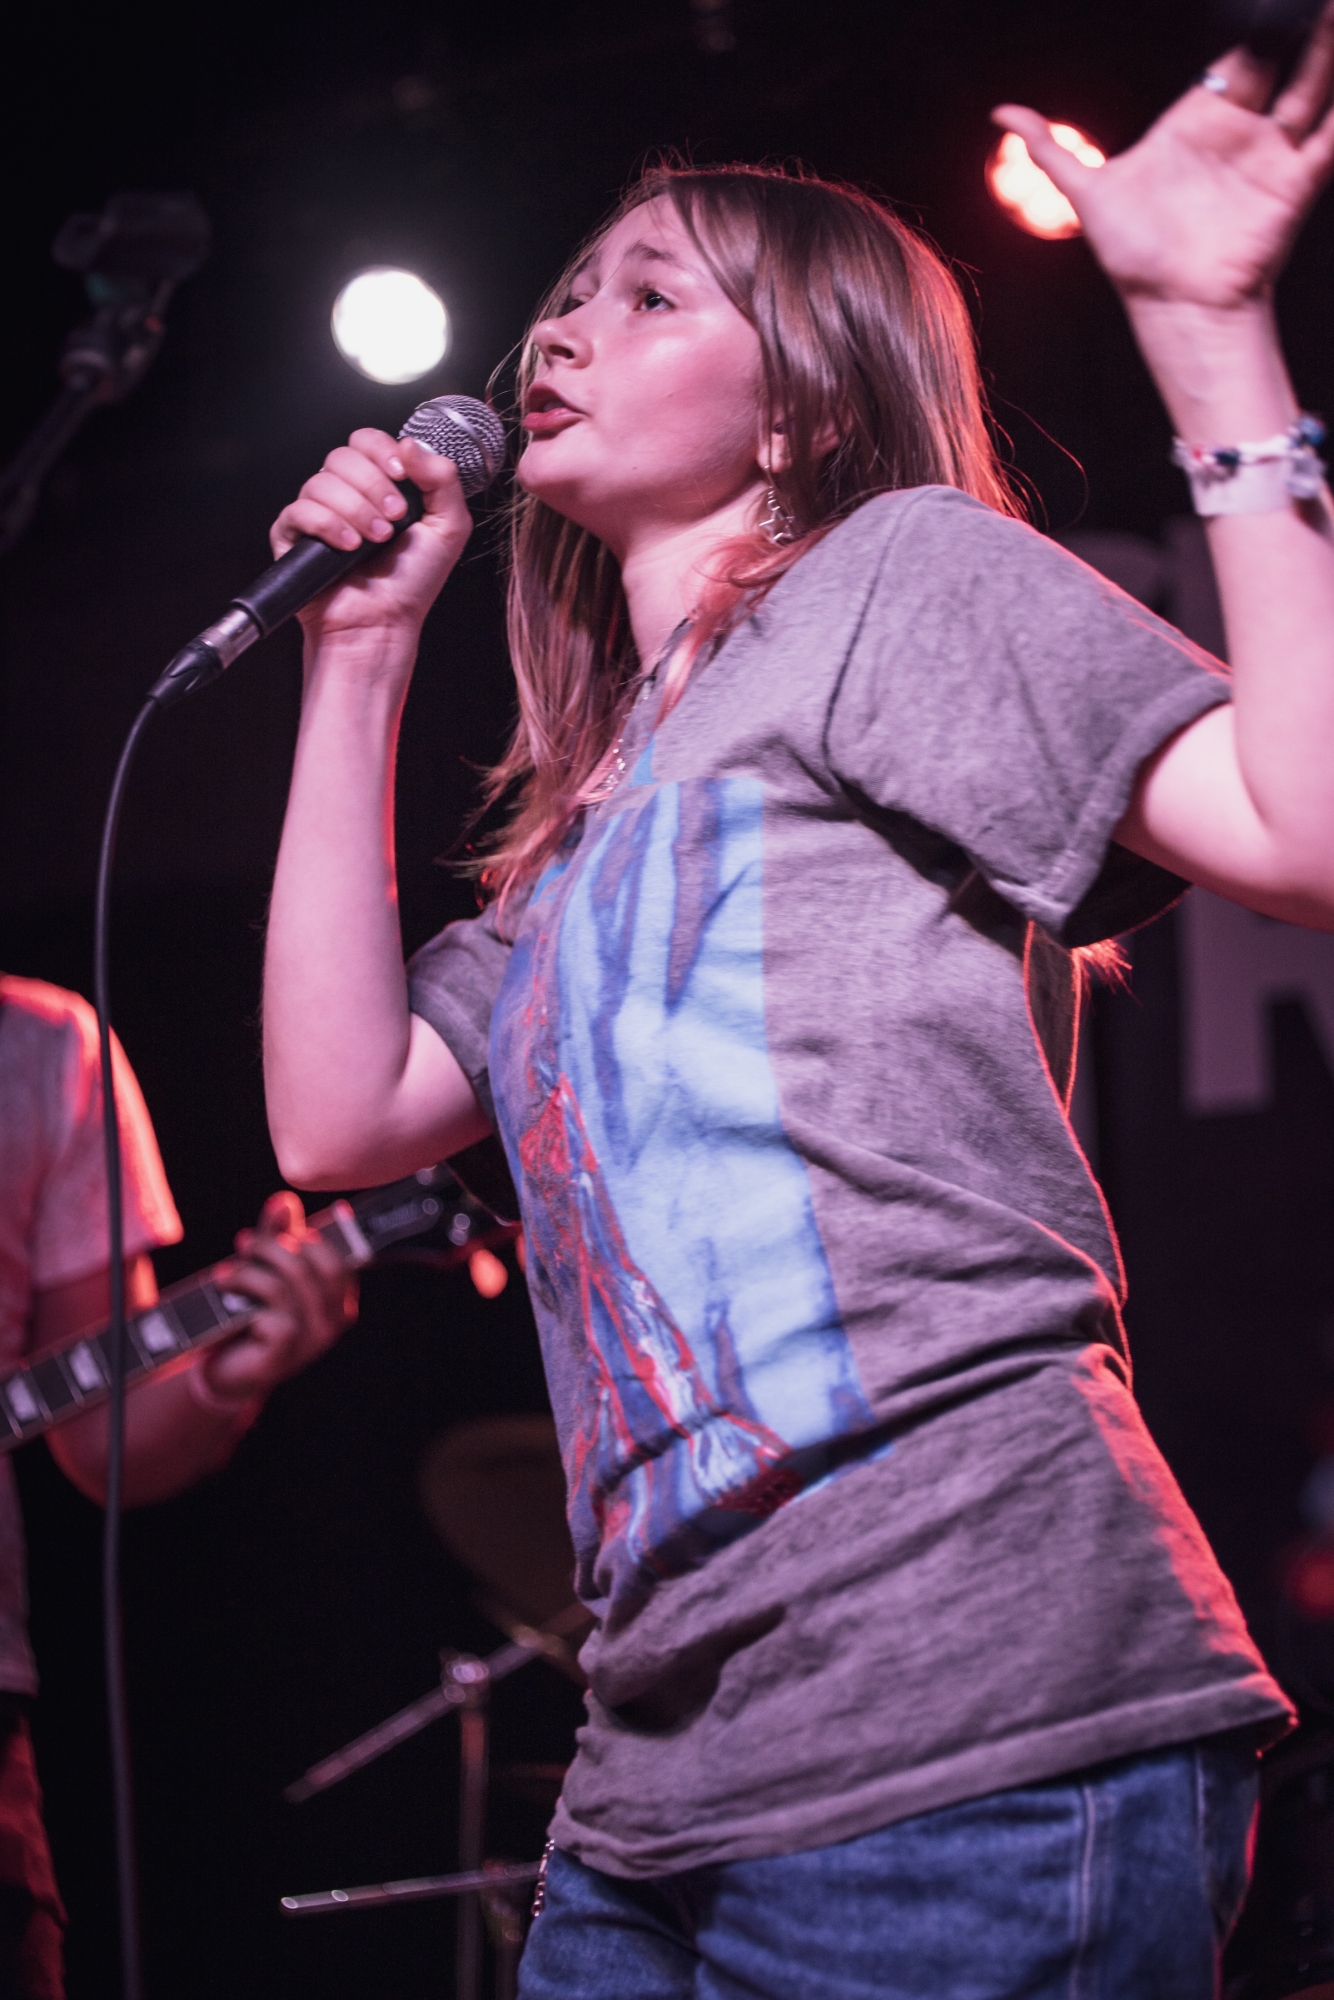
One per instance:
(1004, 695)
(69, 1221)
(453, 982)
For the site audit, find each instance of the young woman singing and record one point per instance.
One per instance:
(912, 1672)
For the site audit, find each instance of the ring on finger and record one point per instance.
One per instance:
(1213, 79)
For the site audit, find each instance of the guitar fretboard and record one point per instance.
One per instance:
(197, 1311)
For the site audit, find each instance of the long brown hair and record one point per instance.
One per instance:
(864, 337)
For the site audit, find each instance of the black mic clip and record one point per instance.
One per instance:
(132, 257)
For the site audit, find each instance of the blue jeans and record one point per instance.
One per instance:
(1119, 1883)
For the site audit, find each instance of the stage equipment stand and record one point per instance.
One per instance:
(132, 256)
(483, 1887)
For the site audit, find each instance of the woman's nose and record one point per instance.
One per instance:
(561, 339)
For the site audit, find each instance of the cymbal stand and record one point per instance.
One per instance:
(457, 1671)
(480, 1885)
(474, 1754)
(504, 1919)
(504, 1887)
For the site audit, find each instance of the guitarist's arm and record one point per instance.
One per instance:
(181, 1427)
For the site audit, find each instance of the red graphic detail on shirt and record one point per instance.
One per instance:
(647, 1390)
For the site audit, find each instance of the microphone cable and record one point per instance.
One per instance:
(456, 427)
(118, 1717)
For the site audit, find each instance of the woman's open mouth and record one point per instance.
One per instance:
(545, 412)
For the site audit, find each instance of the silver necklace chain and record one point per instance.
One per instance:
(619, 767)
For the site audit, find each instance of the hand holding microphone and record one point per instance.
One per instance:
(399, 511)
(367, 495)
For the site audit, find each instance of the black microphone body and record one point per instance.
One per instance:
(457, 427)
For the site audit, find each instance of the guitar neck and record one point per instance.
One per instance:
(197, 1311)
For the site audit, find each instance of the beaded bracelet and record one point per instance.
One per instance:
(1259, 478)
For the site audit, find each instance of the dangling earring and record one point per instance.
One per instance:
(777, 521)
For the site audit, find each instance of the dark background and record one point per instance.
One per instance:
(299, 1597)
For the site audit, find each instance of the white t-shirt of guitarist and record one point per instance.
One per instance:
(53, 1210)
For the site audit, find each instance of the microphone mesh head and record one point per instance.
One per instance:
(461, 428)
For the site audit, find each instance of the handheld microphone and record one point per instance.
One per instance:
(457, 427)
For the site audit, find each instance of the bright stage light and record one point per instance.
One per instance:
(390, 325)
(1027, 195)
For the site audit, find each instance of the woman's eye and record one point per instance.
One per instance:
(652, 300)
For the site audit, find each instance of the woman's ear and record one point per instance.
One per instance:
(776, 452)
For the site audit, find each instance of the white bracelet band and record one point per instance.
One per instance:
(1254, 489)
(1263, 478)
(245, 1409)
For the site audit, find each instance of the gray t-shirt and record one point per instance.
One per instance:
(780, 1051)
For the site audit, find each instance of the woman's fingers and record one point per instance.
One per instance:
(1302, 103)
(1249, 80)
(1070, 175)
(369, 514)
(1318, 149)
(320, 509)
(362, 476)
(1301, 107)
(436, 476)
(352, 491)
(354, 497)
(353, 502)
(1204, 208)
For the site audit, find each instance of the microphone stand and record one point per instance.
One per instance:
(101, 363)
(132, 256)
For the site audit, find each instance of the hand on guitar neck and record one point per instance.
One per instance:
(307, 1296)
(184, 1423)
(202, 1356)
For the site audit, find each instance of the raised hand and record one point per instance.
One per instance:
(1204, 208)
(352, 499)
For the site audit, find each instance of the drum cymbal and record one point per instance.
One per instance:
(494, 1491)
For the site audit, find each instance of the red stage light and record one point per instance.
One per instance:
(1027, 195)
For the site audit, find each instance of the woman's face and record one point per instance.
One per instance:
(643, 414)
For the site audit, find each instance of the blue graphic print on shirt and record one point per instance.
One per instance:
(698, 1365)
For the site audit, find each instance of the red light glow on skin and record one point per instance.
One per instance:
(1025, 192)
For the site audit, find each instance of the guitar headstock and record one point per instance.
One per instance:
(421, 1204)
